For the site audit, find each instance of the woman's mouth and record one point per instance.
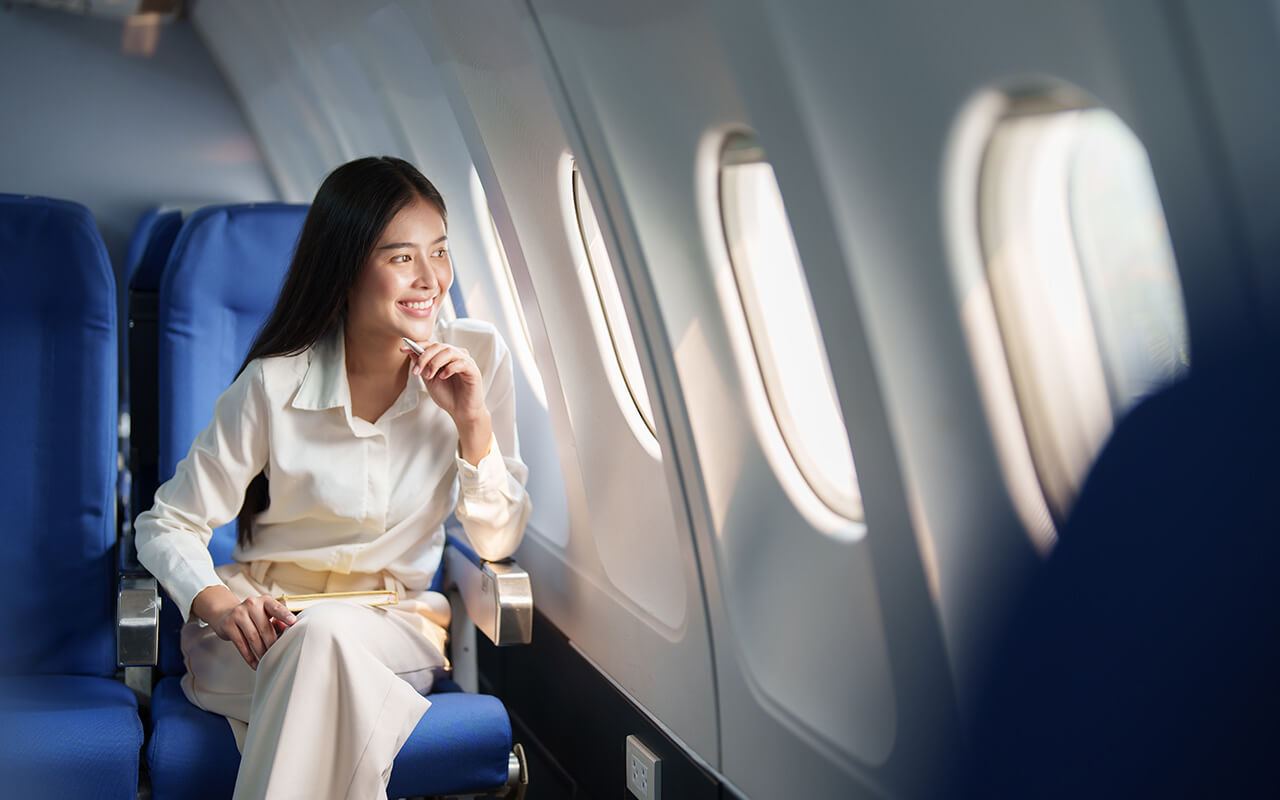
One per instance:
(417, 308)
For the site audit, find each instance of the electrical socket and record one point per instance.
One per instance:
(644, 771)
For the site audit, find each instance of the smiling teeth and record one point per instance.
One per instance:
(419, 306)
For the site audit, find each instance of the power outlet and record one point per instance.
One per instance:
(644, 771)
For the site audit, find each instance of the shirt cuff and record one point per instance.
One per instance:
(490, 473)
(187, 586)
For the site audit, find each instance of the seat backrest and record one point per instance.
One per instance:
(149, 246)
(222, 279)
(58, 442)
(1142, 658)
(149, 249)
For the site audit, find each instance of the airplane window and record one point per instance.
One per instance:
(510, 299)
(1127, 260)
(624, 347)
(783, 326)
(1083, 281)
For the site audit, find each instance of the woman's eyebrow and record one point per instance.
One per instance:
(398, 245)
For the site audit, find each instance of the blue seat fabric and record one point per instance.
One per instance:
(222, 279)
(68, 736)
(67, 729)
(149, 248)
(460, 745)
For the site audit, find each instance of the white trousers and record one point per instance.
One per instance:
(337, 695)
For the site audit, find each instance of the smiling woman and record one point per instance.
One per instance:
(356, 500)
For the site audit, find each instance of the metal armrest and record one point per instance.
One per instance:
(497, 594)
(137, 611)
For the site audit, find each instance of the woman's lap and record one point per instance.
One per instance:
(407, 639)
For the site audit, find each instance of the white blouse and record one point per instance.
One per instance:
(346, 495)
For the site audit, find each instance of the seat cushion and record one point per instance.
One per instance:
(68, 736)
(460, 744)
(192, 753)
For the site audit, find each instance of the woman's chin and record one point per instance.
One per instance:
(418, 331)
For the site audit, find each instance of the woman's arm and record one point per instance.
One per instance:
(206, 490)
(493, 505)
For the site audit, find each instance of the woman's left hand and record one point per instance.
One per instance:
(454, 383)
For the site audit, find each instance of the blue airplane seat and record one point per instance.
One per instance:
(149, 245)
(67, 728)
(221, 281)
(152, 239)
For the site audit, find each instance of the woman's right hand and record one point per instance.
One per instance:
(250, 625)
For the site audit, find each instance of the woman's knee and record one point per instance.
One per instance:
(319, 631)
(329, 622)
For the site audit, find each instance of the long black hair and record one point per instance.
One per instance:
(353, 206)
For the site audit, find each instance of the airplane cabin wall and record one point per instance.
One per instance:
(867, 112)
(828, 661)
(1236, 56)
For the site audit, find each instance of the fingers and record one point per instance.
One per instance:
(255, 625)
(430, 352)
(278, 612)
(235, 637)
(253, 649)
(416, 359)
(262, 624)
(450, 369)
(444, 361)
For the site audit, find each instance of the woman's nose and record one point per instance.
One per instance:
(427, 277)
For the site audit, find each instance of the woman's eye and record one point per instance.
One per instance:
(403, 258)
(441, 253)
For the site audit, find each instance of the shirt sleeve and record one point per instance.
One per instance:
(206, 491)
(493, 505)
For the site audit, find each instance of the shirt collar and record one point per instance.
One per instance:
(325, 383)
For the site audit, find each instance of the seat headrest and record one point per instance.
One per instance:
(149, 247)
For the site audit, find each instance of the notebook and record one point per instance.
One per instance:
(301, 602)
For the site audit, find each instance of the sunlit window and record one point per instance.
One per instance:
(783, 326)
(508, 296)
(1083, 281)
(615, 317)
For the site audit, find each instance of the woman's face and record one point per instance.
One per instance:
(405, 279)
